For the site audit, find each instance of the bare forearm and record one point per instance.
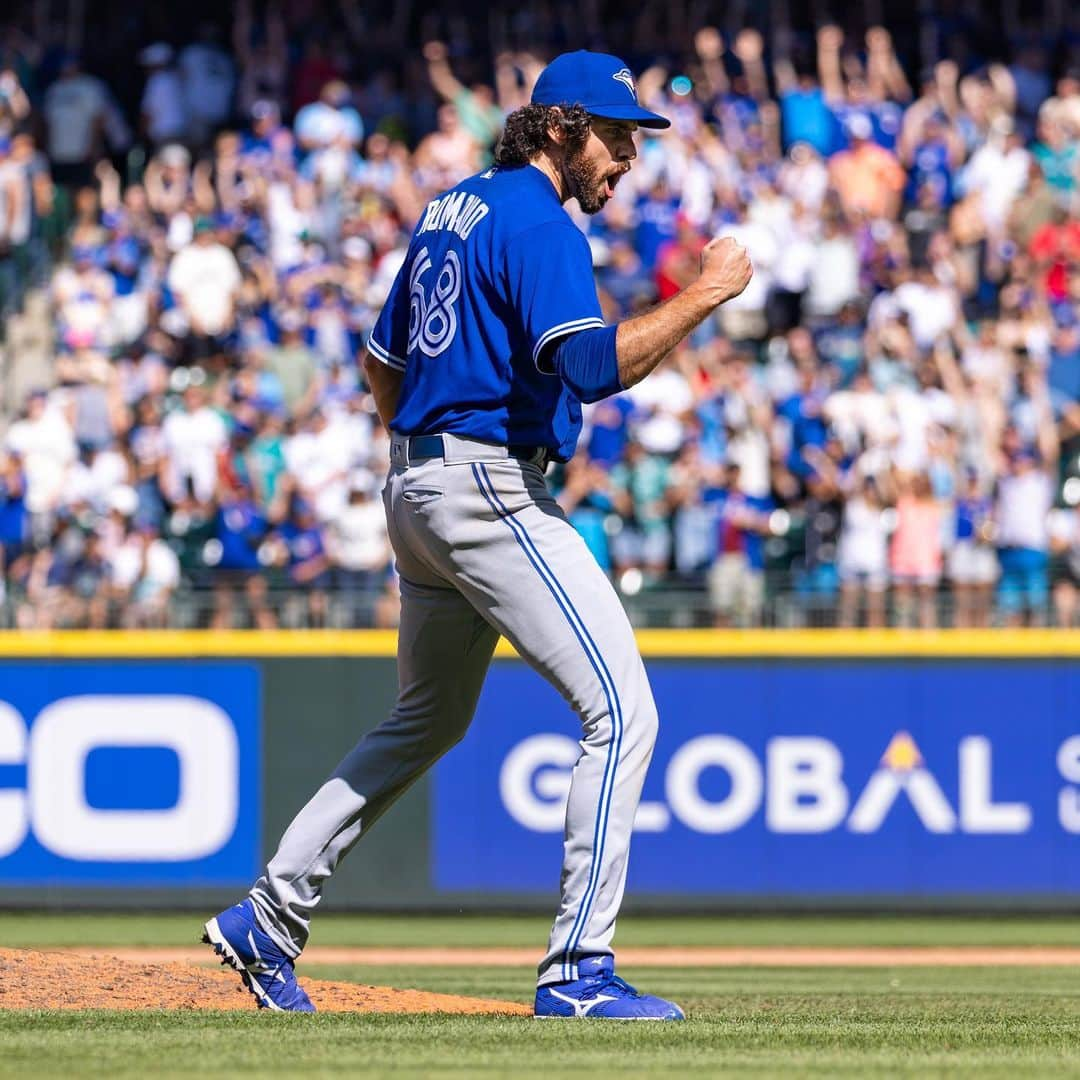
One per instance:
(385, 385)
(643, 341)
(443, 80)
(1047, 439)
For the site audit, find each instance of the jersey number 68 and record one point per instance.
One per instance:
(432, 319)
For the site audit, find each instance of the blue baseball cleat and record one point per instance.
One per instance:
(267, 972)
(598, 992)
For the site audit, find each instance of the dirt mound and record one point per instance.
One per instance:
(55, 980)
(649, 955)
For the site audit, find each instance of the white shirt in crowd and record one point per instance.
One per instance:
(206, 279)
(357, 537)
(861, 415)
(999, 175)
(759, 241)
(931, 310)
(153, 565)
(697, 192)
(864, 540)
(84, 302)
(321, 462)
(916, 412)
(1023, 504)
(320, 124)
(806, 183)
(749, 449)
(192, 441)
(663, 398)
(988, 364)
(73, 109)
(287, 222)
(47, 446)
(1064, 527)
(795, 261)
(834, 277)
(94, 483)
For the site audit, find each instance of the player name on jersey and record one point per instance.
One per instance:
(457, 211)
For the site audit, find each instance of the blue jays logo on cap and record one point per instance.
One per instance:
(627, 80)
(598, 83)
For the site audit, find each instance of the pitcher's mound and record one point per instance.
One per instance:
(55, 980)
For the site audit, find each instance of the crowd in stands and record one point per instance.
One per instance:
(884, 428)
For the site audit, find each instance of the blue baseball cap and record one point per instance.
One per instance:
(601, 84)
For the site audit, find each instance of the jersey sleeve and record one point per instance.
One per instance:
(389, 338)
(549, 276)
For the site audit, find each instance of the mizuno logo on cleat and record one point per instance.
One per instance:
(582, 1007)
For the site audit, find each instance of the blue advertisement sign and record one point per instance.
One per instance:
(823, 778)
(130, 774)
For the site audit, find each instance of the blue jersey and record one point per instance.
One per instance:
(971, 515)
(496, 274)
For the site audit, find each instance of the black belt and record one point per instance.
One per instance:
(422, 447)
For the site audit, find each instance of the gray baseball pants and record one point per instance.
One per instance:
(483, 549)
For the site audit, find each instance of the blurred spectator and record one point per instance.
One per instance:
(480, 116)
(915, 557)
(45, 442)
(1065, 544)
(238, 558)
(14, 521)
(817, 578)
(15, 218)
(294, 365)
(164, 117)
(358, 547)
(448, 152)
(972, 564)
(639, 485)
(867, 177)
(302, 552)
(863, 552)
(67, 585)
(805, 112)
(206, 78)
(1024, 499)
(192, 437)
(329, 121)
(737, 578)
(75, 114)
(205, 280)
(589, 501)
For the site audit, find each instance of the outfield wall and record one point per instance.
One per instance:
(798, 768)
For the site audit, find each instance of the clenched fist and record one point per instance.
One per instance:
(725, 268)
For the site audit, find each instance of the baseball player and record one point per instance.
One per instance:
(489, 341)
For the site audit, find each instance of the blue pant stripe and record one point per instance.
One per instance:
(607, 684)
(487, 489)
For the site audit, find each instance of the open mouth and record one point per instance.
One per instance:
(611, 181)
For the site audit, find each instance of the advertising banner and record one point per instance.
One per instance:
(118, 774)
(791, 779)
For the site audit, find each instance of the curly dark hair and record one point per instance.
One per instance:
(526, 131)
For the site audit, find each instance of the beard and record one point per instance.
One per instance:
(585, 181)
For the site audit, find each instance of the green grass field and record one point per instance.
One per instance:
(759, 1022)
(44, 930)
